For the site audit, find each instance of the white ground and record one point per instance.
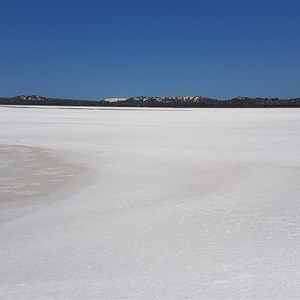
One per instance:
(162, 204)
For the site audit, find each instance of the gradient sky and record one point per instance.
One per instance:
(119, 48)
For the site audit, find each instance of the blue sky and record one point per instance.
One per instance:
(119, 48)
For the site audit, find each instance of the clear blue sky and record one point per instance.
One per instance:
(119, 48)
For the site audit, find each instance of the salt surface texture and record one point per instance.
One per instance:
(149, 203)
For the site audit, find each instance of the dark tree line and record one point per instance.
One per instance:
(238, 102)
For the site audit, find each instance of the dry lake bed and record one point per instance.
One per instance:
(149, 203)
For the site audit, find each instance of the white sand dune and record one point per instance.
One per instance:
(149, 203)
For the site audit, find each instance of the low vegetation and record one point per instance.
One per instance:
(193, 101)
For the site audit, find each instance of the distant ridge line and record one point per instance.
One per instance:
(142, 101)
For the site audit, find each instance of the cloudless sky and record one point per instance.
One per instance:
(90, 49)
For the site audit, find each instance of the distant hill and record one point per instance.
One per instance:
(197, 101)
(141, 101)
(40, 100)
